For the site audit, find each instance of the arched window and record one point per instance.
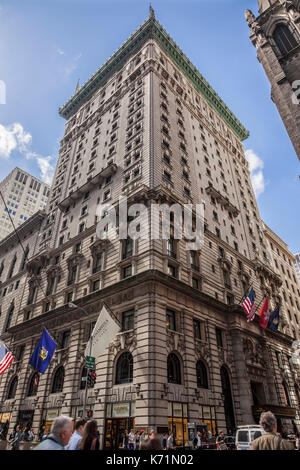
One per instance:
(284, 38)
(33, 385)
(285, 394)
(202, 381)
(58, 381)
(174, 372)
(124, 369)
(12, 388)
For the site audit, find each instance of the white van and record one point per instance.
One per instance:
(246, 434)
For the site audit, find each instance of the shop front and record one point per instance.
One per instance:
(48, 418)
(207, 415)
(119, 418)
(25, 418)
(178, 422)
(4, 424)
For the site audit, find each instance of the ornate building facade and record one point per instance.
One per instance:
(276, 35)
(148, 126)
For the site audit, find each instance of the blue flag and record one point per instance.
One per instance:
(274, 319)
(43, 352)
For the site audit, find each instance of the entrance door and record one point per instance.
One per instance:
(115, 431)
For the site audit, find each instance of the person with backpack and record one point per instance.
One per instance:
(15, 438)
(271, 440)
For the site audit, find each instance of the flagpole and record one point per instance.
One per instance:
(86, 382)
(245, 295)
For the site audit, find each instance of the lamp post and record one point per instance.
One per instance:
(72, 305)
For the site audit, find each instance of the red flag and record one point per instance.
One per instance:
(264, 314)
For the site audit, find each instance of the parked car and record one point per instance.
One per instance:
(246, 434)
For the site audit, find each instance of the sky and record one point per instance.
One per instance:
(47, 45)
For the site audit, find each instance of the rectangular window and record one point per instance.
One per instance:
(127, 271)
(171, 320)
(197, 329)
(65, 339)
(219, 337)
(96, 285)
(128, 320)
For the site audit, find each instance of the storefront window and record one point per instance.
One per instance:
(120, 417)
(207, 416)
(178, 422)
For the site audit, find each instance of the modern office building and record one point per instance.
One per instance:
(23, 196)
(148, 126)
(276, 35)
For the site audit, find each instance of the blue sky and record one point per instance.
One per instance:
(47, 45)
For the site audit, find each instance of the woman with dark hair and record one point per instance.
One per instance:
(89, 439)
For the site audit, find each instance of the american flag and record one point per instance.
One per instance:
(5, 358)
(249, 305)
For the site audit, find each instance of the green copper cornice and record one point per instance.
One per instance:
(152, 29)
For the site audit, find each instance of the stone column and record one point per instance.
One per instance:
(241, 376)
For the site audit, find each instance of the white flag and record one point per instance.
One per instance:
(103, 333)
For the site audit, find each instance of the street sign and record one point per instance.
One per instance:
(89, 362)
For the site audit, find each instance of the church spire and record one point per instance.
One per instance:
(77, 86)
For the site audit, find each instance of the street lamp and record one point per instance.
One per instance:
(72, 305)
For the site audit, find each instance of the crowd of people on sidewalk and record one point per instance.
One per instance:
(85, 436)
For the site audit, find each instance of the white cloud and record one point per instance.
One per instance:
(72, 65)
(15, 138)
(256, 166)
(60, 52)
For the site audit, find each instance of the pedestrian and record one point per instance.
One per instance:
(164, 441)
(221, 442)
(271, 440)
(197, 441)
(171, 443)
(131, 440)
(77, 435)
(126, 440)
(142, 437)
(30, 434)
(89, 440)
(60, 433)
(152, 434)
(137, 440)
(153, 443)
(15, 438)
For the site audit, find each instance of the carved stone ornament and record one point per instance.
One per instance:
(53, 271)
(225, 357)
(74, 259)
(175, 341)
(202, 350)
(250, 18)
(126, 340)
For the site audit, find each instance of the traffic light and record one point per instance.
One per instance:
(91, 378)
(94, 378)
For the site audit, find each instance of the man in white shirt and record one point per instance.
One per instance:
(77, 435)
(131, 440)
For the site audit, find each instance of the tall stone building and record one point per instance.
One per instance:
(148, 126)
(24, 195)
(297, 265)
(282, 261)
(276, 35)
